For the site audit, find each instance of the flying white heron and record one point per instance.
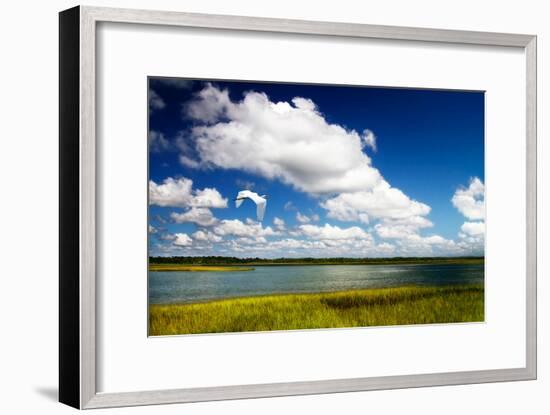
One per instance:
(261, 201)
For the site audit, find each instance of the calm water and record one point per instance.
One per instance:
(186, 287)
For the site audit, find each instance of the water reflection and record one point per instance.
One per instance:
(186, 287)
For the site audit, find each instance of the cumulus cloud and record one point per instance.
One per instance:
(401, 228)
(167, 237)
(382, 202)
(206, 236)
(208, 197)
(279, 223)
(473, 228)
(433, 245)
(179, 193)
(259, 240)
(470, 201)
(296, 247)
(288, 141)
(235, 227)
(406, 233)
(210, 105)
(330, 232)
(199, 216)
(291, 243)
(385, 248)
(152, 229)
(182, 239)
(471, 244)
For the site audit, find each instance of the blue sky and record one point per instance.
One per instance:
(348, 171)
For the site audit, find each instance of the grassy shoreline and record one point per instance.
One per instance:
(404, 262)
(352, 308)
(234, 261)
(248, 266)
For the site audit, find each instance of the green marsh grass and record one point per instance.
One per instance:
(356, 308)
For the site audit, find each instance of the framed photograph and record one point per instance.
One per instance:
(254, 207)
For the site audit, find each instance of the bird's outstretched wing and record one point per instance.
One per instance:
(241, 196)
(260, 209)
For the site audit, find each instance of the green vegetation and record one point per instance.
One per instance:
(357, 308)
(191, 268)
(224, 261)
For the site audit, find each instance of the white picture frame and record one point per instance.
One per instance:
(78, 164)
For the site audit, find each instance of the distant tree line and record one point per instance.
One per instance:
(224, 260)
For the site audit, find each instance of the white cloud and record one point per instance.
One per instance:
(298, 247)
(155, 101)
(417, 245)
(473, 228)
(251, 241)
(401, 228)
(385, 248)
(470, 201)
(182, 239)
(206, 236)
(471, 245)
(210, 105)
(179, 193)
(291, 142)
(290, 243)
(152, 229)
(382, 202)
(208, 197)
(200, 216)
(409, 242)
(432, 240)
(305, 247)
(330, 232)
(235, 227)
(279, 223)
